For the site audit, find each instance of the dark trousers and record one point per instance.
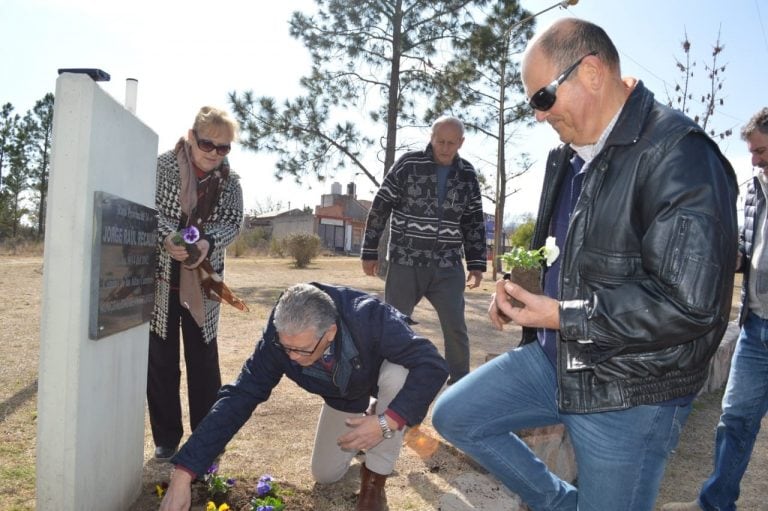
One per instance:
(444, 288)
(164, 376)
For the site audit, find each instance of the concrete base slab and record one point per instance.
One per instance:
(479, 492)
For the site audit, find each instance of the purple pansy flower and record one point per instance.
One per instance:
(263, 487)
(191, 234)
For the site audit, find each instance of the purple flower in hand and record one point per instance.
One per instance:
(190, 234)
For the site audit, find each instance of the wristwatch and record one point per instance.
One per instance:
(386, 431)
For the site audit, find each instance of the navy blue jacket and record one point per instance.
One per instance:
(369, 332)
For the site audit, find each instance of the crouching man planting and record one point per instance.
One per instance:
(347, 347)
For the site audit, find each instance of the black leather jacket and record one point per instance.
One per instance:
(647, 271)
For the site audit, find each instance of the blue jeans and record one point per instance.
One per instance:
(620, 455)
(744, 404)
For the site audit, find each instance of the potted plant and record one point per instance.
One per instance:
(188, 237)
(523, 267)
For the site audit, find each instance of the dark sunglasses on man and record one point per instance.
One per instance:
(543, 99)
(207, 146)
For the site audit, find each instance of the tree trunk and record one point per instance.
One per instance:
(393, 109)
(501, 180)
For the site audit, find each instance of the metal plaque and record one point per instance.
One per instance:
(123, 265)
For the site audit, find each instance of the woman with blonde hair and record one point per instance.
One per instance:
(195, 188)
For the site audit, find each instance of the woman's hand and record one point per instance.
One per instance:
(203, 247)
(177, 252)
(181, 254)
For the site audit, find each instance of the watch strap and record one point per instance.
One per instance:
(386, 431)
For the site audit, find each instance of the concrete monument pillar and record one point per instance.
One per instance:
(94, 334)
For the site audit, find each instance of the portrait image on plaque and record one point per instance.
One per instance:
(123, 265)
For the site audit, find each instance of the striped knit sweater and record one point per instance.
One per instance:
(424, 232)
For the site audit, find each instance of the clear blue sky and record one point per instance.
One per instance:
(186, 54)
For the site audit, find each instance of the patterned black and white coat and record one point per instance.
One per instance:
(221, 229)
(424, 232)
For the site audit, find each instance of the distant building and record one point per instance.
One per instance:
(261, 221)
(291, 222)
(279, 224)
(340, 219)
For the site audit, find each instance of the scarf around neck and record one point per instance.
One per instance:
(190, 280)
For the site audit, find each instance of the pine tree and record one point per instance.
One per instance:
(8, 122)
(367, 56)
(483, 82)
(40, 125)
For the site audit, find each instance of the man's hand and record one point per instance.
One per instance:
(476, 276)
(178, 497)
(371, 267)
(366, 433)
(539, 311)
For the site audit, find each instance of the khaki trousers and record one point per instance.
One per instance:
(329, 461)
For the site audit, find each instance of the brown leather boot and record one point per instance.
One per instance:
(372, 495)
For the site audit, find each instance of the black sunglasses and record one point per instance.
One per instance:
(288, 350)
(207, 146)
(543, 99)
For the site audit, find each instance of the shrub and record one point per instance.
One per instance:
(239, 247)
(523, 234)
(277, 247)
(262, 247)
(20, 246)
(249, 240)
(303, 248)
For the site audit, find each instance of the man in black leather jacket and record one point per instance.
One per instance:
(641, 204)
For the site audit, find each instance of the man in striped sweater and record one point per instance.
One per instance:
(432, 199)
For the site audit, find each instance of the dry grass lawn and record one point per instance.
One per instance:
(278, 438)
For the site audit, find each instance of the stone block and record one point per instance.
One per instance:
(721, 362)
